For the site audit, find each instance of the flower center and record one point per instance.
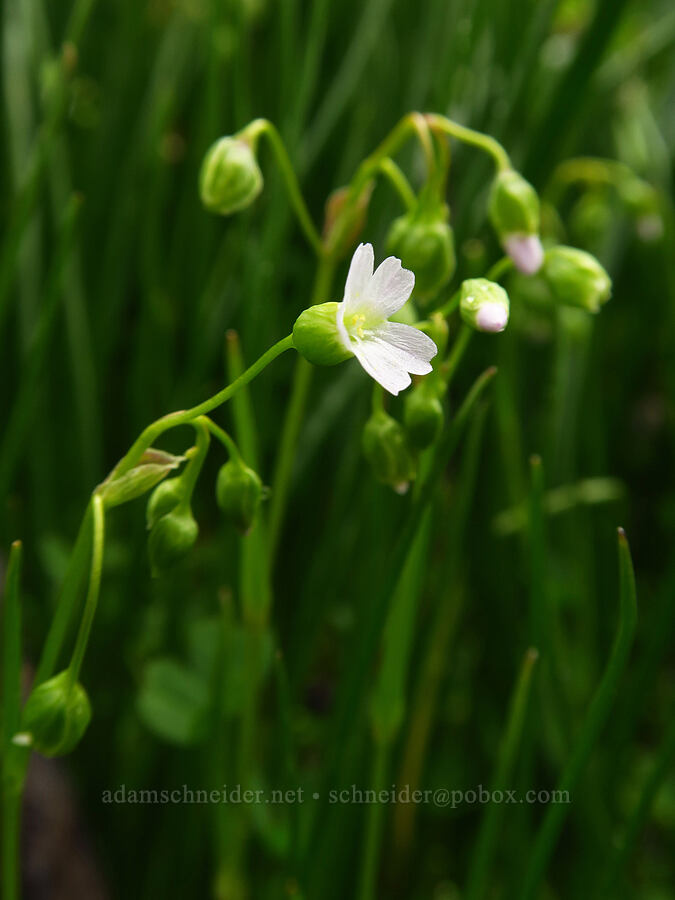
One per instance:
(356, 324)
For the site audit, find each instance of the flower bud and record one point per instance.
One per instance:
(484, 305)
(576, 278)
(151, 468)
(427, 247)
(316, 337)
(230, 178)
(171, 538)
(349, 215)
(55, 716)
(386, 448)
(238, 493)
(514, 212)
(422, 416)
(165, 497)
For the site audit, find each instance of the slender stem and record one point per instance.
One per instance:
(194, 467)
(450, 305)
(499, 269)
(221, 435)
(486, 843)
(400, 183)
(11, 824)
(596, 718)
(185, 416)
(374, 823)
(294, 418)
(474, 138)
(450, 366)
(265, 128)
(97, 545)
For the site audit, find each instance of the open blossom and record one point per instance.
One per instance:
(388, 351)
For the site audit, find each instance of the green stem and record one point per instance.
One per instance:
(221, 435)
(597, 716)
(293, 422)
(97, 545)
(11, 649)
(265, 128)
(374, 823)
(486, 843)
(474, 138)
(194, 467)
(400, 183)
(185, 416)
(11, 824)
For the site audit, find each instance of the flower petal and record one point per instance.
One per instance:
(378, 363)
(358, 278)
(389, 288)
(412, 347)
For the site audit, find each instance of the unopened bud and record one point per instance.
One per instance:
(484, 305)
(422, 416)
(238, 493)
(165, 498)
(55, 716)
(514, 212)
(316, 336)
(576, 278)
(171, 538)
(386, 448)
(151, 468)
(230, 177)
(345, 217)
(427, 248)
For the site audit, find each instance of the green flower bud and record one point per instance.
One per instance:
(165, 497)
(425, 247)
(576, 278)
(386, 448)
(484, 305)
(230, 178)
(513, 206)
(238, 493)
(422, 416)
(55, 716)
(171, 538)
(316, 337)
(152, 467)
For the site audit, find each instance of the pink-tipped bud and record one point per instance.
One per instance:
(526, 252)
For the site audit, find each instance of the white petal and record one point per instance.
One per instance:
(417, 346)
(358, 278)
(389, 288)
(379, 364)
(526, 252)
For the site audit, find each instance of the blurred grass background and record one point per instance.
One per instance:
(116, 290)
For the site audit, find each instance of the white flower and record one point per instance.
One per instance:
(388, 351)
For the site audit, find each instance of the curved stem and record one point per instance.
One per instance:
(468, 136)
(374, 823)
(194, 467)
(400, 183)
(265, 128)
(221, 435)
(97, 545)
(185, 416)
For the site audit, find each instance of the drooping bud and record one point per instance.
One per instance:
(484, 305)
(316, 336)
(386, 448)
(171, 538)
(165, 498)
(151, 468)
(230, 177)
(514, 212)
(426, 246)
(55, 716)
(422, 416)
(238, 493)
(576, 278)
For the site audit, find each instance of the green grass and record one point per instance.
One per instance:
(354, 637)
